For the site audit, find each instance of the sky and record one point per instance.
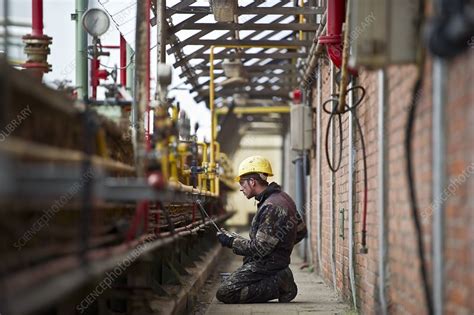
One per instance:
(59, 26)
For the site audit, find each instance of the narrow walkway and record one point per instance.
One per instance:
(314, 297)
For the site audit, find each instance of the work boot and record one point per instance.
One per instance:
(286, 286)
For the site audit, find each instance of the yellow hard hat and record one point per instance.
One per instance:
(254, 164)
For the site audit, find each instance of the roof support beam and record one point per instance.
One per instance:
(254, 43)
(243, 10)
(224, 36)
(247, 26)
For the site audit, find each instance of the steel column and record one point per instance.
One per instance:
(82, 82)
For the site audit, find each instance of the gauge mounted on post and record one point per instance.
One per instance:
(96, 22)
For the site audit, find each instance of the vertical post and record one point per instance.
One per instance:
(148, 73)
(382, 187)
(123, 61)
(300, 191)
(81, 52)
(6, 9)
(439, 181)
(161, 28)
(212, 163)
(142, 84)
(130, 70)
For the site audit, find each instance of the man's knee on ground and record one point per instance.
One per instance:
(225, 294)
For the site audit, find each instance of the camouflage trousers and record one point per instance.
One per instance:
(249, 284)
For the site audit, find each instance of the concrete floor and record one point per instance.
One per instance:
(314, 297)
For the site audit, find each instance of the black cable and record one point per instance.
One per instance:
(417, 89)
(412, 190)
(333, 113)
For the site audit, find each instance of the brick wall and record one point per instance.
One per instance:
(404, 287)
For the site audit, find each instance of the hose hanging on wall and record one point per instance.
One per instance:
(412, 189)
(417, 89)
(334, 113)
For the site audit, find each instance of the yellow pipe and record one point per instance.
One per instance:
(182, 154)
(102, 143)
(345, 58)
(216, 178)
(202, 177)
(255, 110)
(212, 163)
(161, 147)
(301, 19)
(204, 151)
(173, 166)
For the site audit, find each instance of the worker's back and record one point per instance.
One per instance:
(277, 224)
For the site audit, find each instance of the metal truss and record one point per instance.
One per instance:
(271, 72)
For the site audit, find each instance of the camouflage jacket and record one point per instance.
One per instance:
(276, 228)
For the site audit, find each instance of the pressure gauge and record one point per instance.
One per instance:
(96, 22)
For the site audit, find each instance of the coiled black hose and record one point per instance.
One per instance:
(333, 113)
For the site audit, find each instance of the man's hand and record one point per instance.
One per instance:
(225, 238)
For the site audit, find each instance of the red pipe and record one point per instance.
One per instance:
(94, 80)
(123, 61)
(37, 18)
(336, 13)
(96, 75)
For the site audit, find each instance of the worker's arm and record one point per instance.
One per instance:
(266, 238)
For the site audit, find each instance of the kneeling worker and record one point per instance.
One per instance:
(275, 229)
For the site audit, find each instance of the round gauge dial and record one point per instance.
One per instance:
(96, 22)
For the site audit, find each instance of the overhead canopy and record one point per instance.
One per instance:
(265, 74)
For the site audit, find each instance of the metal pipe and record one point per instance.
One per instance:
(161, 28)
(142, 84)
(300, 189)
(314, 53)
(37, 18)
(6, 11)
(130, 70)
(82, 82)
(301, 20)
(382, 187)
(350, 193)
(308, 212)
(440, 74)
(332, 183)
(333, 39)
(255, 110)
(148, 73)
(319, 153)
(123, 61)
